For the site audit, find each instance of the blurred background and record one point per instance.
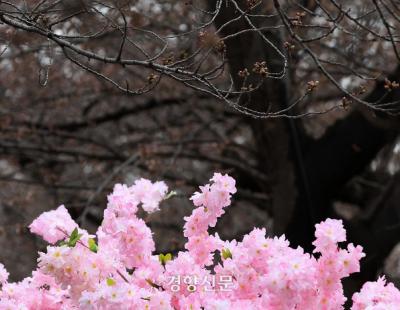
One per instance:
(298, 100)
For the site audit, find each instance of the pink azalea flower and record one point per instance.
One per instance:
(3, 274)
(377, 295)
(122, 200)
(117, 268)
(53, 225)
(224, 182)
(328, 234)
(150, 194)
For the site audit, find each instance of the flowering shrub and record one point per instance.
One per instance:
(116, 268)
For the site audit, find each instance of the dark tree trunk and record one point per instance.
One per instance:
(274, 137)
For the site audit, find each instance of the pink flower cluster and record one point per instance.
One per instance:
(53, 225)
(117, 267)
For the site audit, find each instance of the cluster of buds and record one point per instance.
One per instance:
(42, 20)
(244, 73)
(151, 78)
(220, 47)
(260, 68)
(297, 19)
(312, 85)
(289, 46)
(252, 3)
(208, 39)
(361, 90)
(211, 40)
(346, 102)
(168, 60)
(390, 85)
